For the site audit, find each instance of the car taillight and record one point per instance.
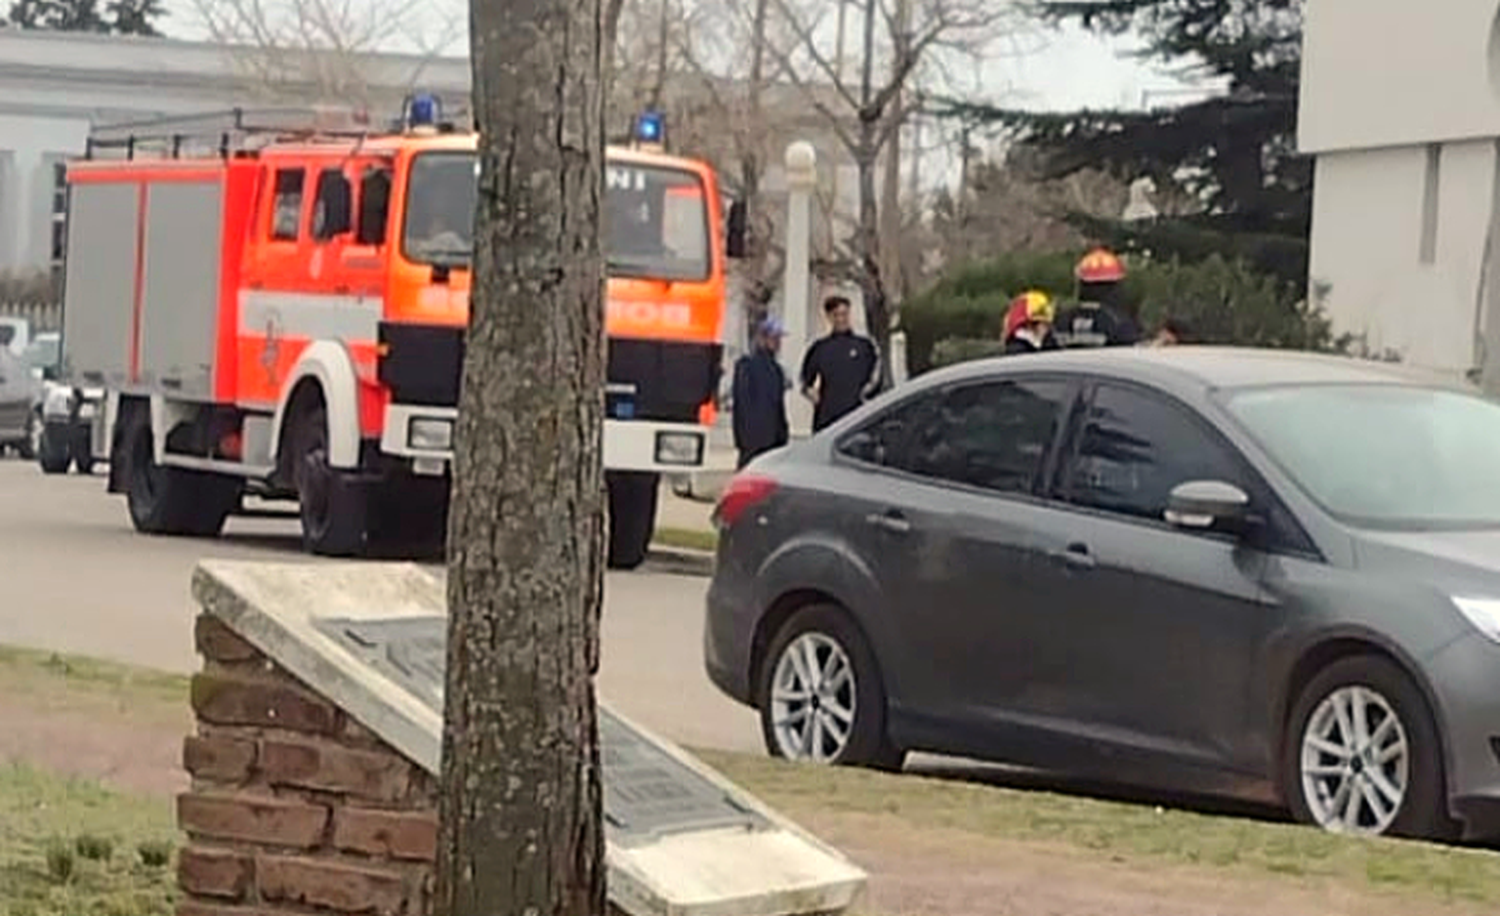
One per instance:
(743, 492)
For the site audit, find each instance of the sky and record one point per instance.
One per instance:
(1045, 69)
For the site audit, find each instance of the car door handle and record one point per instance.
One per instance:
(893, 522)
(1076, 556)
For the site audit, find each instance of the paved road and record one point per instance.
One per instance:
(74, 577)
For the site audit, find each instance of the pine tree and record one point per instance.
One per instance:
(119, 17)
(1233, 153)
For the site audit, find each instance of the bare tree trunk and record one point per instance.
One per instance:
(866, 156)
(521, 795)
(890, 204)
(663, 36)
(759, 286)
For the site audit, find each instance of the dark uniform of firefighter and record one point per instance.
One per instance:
(1098, 319)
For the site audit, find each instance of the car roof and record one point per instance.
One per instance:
(1201, 367)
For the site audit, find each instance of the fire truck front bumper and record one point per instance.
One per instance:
(420, 434)
(424, 436)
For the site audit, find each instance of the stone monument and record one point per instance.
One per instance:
(315, 762)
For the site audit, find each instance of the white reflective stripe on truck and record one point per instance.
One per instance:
(629, 445)
(314, 316)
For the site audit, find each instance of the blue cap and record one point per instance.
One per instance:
(772, 327)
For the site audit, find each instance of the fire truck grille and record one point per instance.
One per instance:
(668, 380)
(672, 379)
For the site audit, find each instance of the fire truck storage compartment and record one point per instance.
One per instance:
(144, 319)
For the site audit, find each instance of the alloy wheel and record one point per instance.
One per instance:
(1355, 762)
(813, 699)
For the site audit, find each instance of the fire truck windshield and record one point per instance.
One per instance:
(655, 219)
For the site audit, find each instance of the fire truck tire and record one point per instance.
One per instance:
(333, 505)
(173, 501)
(52, 452)
(631, 517)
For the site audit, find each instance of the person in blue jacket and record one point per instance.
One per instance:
(759, 395)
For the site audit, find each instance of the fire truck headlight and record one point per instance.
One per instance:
(684, 449)
(430, 434)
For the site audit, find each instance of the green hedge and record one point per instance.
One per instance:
(1221, 301)
(952, 350)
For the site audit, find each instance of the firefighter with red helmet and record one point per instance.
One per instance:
(1028, 324)
(1098, 319)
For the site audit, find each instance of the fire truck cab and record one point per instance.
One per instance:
(276, 304)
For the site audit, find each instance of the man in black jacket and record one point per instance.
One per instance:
(759, 395)
(842, 370)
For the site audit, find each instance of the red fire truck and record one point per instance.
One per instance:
(275, 302)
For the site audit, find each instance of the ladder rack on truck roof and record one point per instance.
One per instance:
(228, 132)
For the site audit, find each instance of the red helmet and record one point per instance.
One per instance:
(1100, 266)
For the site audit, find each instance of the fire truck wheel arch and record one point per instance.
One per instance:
(328, 365)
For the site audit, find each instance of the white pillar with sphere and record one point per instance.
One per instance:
(801, 181)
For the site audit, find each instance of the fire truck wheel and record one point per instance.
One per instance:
(334, 507)
(167, 500)
(52, 452)
(632, 517)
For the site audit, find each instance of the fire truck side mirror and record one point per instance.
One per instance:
(334, 207)
(375, 201)
(736, 230)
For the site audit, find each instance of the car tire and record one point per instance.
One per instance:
(168, 500)
(631, 516)
(333, 506)
(1325, 760)
(51, 453)
(809, 729)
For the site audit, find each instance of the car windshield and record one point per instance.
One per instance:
(1384, 456)
(655, 220)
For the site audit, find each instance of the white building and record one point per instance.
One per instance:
(54, 85)
(1400, 104)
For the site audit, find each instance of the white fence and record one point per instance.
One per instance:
(43, 316)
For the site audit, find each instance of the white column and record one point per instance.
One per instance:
(801, 180)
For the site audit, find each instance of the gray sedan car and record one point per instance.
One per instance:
(1268, 575)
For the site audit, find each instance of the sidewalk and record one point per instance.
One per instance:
(673, 511)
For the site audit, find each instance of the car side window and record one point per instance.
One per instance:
(993, 435)
(1135, 448)
(877, 441)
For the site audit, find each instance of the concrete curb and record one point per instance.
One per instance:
(680, 561)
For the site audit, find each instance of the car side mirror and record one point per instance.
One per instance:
(1208, 505)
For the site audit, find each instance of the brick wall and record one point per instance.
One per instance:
(295, 808)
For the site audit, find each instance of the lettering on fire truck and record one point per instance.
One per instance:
(660, 314)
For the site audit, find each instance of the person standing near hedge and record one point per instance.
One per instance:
(842, 369)
(1097, 320)
(1028, 324)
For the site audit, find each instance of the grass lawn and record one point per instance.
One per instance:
(74, 848)
(686, 539)
(51, 679)
(1136, 833)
